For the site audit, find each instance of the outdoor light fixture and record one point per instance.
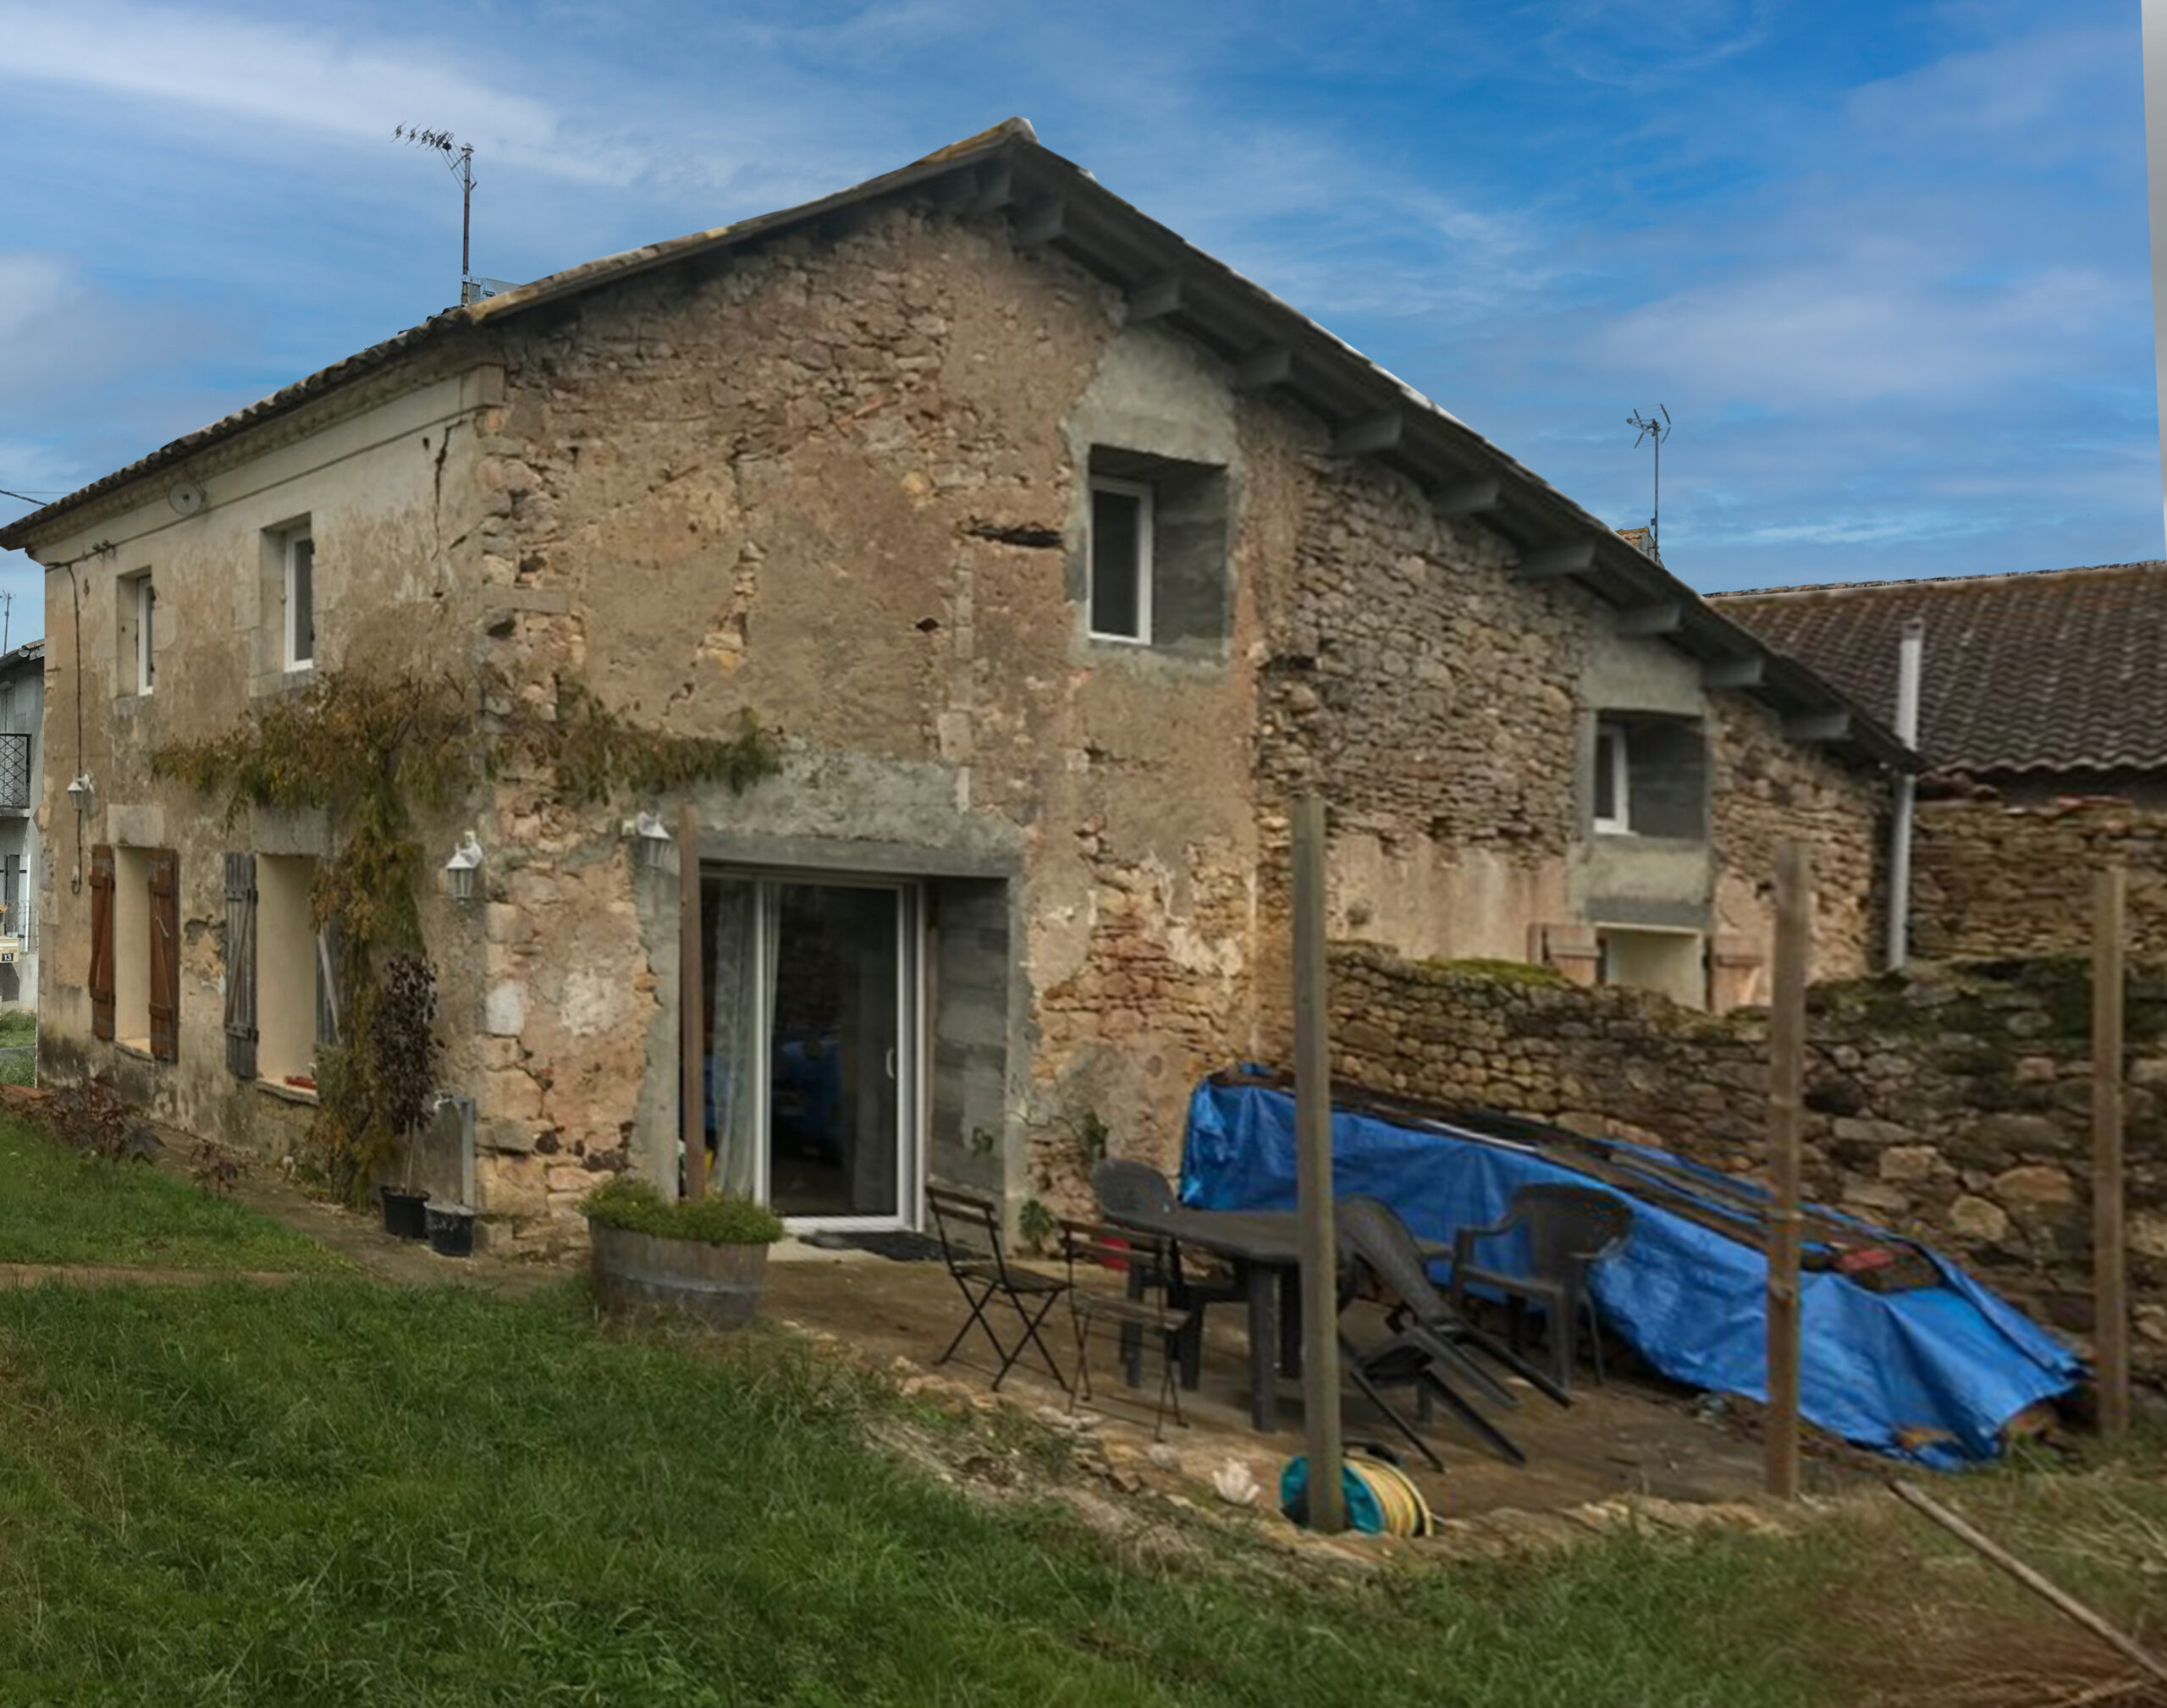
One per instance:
(79, 792)
(465, 860)
(650, 840)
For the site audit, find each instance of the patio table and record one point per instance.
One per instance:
(1265, 1249)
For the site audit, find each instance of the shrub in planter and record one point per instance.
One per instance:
(702, 1258)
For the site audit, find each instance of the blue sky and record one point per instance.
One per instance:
(1886, 264)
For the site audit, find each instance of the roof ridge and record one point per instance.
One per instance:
(2135, 566)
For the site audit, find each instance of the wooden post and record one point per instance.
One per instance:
(691, 1082)
(1786, 1106)
(1320, 1237)
(2110, 1302)
(2040, 1585)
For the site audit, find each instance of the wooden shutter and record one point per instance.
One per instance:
(165, 955)
(101, 942)
(241, 965)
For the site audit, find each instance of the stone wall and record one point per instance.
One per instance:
(1951, 1103)
(1991, 878)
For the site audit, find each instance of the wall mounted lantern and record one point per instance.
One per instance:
(651, 841)
(465, 860)
(81, 791)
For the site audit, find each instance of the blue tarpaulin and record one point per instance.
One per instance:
(1928, 1373)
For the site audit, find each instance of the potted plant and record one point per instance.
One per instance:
(703, 1257)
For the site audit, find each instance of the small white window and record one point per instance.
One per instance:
(136, 670)
(1613, 806)
(1121, 560)
(300, 602)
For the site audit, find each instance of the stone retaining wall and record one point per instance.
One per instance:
(1951, 1103)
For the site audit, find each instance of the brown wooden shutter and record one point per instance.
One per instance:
(101, 942)
(165, 955)
(241, 965)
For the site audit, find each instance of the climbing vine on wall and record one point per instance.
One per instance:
(375, 752)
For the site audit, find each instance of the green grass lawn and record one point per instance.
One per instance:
(59, 1207)
(17, 1039)
(335, 1491)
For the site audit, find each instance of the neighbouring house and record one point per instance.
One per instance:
(1059, 555)
(2043, 728)
(22, 788)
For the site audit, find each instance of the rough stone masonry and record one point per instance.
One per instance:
(1951, 1102)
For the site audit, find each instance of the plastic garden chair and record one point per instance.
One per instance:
(1125, 1187)
(1567, 1231)
(1431, 1346)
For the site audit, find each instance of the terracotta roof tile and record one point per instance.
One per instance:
(2052, 670)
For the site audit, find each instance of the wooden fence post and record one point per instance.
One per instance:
(2111, 1303)
(1319, 1238)
(1786, 1107)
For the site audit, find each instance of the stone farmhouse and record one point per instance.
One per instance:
(2043, 728)
(1059, 555)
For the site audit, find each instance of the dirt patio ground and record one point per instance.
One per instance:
(1630, 1437)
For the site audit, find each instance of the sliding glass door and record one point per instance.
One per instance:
(812, 1017)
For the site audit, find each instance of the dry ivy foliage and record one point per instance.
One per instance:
(376, 752)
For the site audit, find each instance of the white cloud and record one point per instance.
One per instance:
(285, 77)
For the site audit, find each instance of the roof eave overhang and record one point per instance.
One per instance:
(1054, 204)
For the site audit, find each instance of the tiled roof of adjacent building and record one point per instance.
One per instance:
(2049, 670)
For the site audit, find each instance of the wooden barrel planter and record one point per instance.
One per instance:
(634, 1273)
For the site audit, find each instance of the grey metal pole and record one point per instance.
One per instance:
(1320, 1240)
(1911, 661)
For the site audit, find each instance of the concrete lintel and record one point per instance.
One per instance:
(1468, 498)
(1382, 432)
(1156, 299)
(1828, 726)
(1742, 672)
(1271, 364)
(848, 855)
(1664, 617)
(1564, 558)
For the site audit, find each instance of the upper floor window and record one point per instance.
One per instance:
(1155, 563)
(1121, 559)
(137, 665)
(1613, 781)
(1651, 776)
(299, 600)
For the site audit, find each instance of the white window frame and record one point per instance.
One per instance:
(1619, 822)
(1145, 497)
(146, 656)
(298, 537)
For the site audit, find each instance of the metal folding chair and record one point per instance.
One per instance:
(969, 1231)
(1100, 1245)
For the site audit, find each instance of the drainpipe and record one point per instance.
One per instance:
(1911, 662)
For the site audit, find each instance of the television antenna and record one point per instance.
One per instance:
(459, 156)
(1658, 431)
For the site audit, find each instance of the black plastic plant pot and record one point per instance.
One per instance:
(451, 1229)
(403, 1213)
